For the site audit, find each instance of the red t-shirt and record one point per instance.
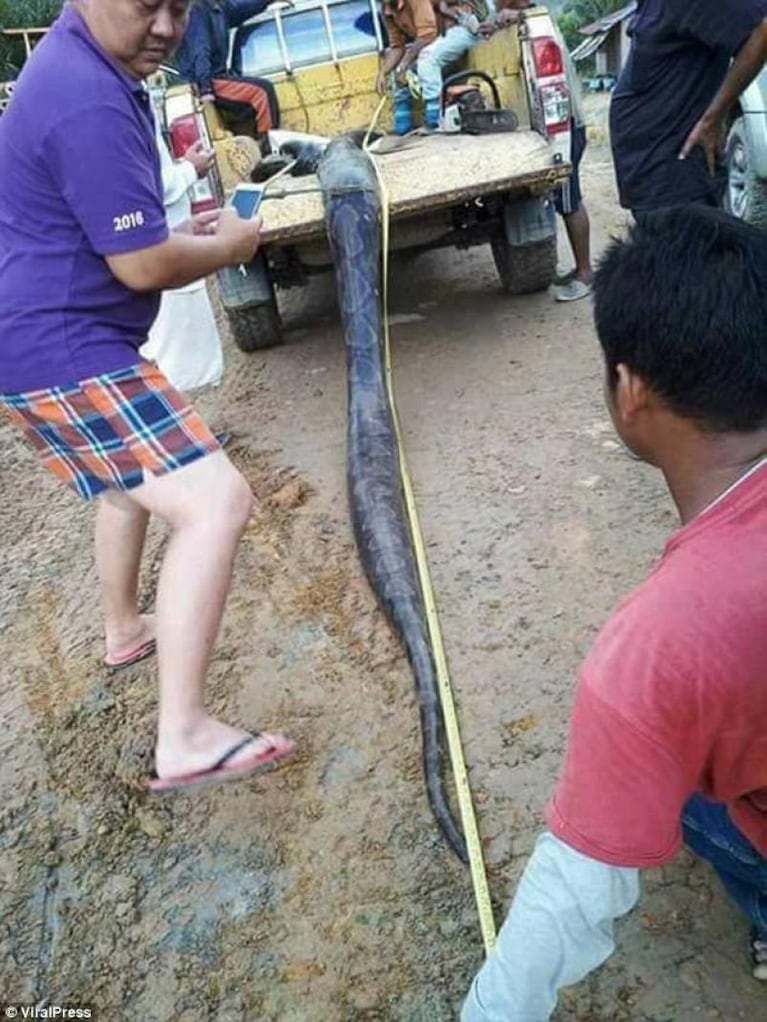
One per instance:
(672, 699)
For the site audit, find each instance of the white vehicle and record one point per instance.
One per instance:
(746, 195)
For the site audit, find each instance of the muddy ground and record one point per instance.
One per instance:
(324, 892)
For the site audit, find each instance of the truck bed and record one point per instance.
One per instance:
(423, 172)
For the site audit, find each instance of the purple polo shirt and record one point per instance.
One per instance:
(81, 180)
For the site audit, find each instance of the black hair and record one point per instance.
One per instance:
(683, 304)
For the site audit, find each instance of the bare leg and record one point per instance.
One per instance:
(121, 528)
(578, 230)
(207, 505)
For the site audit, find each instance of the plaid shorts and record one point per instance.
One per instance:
(104, 433)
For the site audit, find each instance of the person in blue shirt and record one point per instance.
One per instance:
(689, 63)
(202, 59)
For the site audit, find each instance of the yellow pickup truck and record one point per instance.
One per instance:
(453, 187)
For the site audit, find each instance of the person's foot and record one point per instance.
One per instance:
(182, 755)
(574, 291)
(564, 277)
(759, 956)
(131, 643)
(403, 120)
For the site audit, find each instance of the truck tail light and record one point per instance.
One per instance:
(548, 57)
(184, 132)
(555, 102)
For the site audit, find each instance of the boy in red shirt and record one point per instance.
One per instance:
(668, 739)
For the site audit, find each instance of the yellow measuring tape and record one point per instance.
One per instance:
(449, 712)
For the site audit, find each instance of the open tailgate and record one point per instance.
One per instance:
(427, 172)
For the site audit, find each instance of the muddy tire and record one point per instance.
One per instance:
(746, 195)
(255, 327)
(525, 269)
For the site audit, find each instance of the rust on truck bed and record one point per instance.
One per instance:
(426, 172)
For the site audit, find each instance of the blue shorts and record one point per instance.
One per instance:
(568, 197)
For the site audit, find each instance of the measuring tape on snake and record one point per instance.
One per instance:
(449, 711)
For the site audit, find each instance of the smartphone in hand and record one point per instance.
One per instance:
(246, 199)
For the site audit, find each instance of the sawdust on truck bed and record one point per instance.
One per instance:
(427, 172)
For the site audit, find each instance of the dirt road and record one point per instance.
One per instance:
(323, 893)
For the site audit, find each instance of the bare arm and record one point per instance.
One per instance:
(239, 11)
(449, 10)
(391, 59)
(411, 53)
(186, 257)
(707, 133)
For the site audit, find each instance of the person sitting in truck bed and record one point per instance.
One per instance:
(414, 37)
(411, 26)
(464, 23)
(202, 59)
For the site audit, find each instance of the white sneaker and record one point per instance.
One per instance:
(564, 277)
(572, 292)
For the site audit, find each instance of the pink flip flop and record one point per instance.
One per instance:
(131, 656)
(257, 763)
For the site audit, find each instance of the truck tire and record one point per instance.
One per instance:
(255, 327)
(525, 269)
(746, 195)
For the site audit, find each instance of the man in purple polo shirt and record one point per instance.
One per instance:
(84, 253)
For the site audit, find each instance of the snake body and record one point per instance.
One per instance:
(353, 223)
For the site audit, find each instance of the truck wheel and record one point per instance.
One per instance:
(746, 196)
(255, 327)
(525, 269)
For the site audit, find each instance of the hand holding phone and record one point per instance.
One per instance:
(246, 199)
(241, 235)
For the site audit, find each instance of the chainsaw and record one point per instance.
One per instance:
(464, 109)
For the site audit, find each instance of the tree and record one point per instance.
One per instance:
(591, 10)
(22, 14)
(577, 13)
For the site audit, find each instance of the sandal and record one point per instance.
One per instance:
(115, 661)
(259, 762)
